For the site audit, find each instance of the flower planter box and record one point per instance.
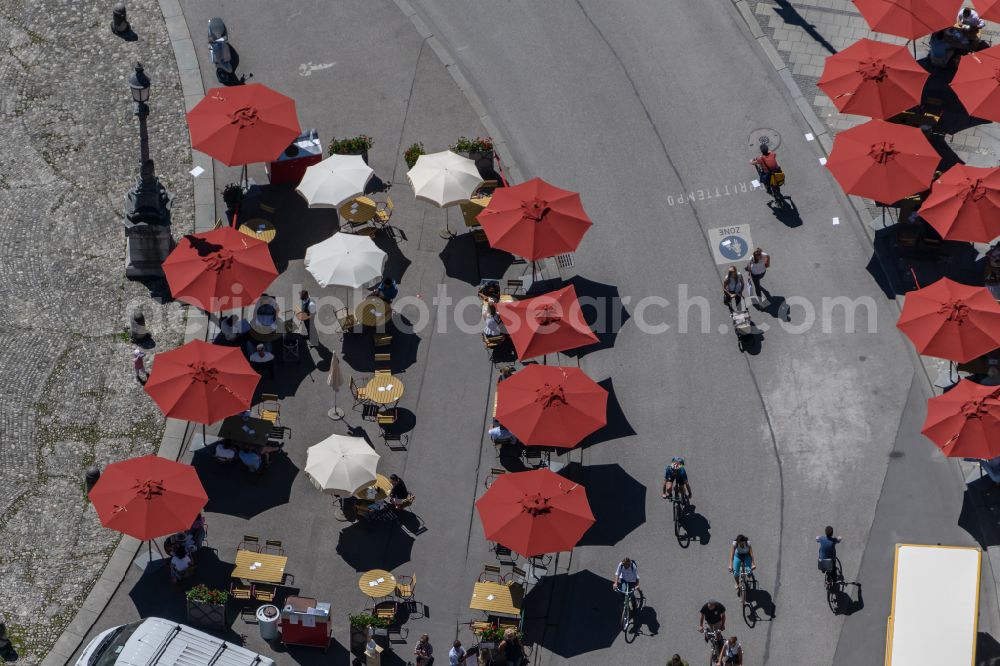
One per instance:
(363, 153)
(206, 614)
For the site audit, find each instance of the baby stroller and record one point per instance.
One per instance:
(742, 324)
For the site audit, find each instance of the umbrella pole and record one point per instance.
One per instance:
(446, 232)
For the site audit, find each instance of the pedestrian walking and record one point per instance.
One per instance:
(456, 655)
(677, 661)
(760, 261)
(510, 648)
(732, 289)
(423, 651)
(308, 309)
(139, 364)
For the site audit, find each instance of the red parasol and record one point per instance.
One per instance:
(148, 497)
(965, 421)
(202, 382)
(875, 79)
(883, 161)
(243, 124)
(546, 324)
(551, 406)
(988, 9)
(977, 83)
(219, 270)
(909, 19)
(964, 204)
(535, 512)
(534, 220)
(951, 320)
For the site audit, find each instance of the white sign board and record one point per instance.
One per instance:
(731, 244)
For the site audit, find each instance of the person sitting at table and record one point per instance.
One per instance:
(197, 531)
(266, 311)
(232, 329)
(500, 435)
(224, 452)
(968, 18)
(492, 324)
(250, 458)
(179, 563)
(991, 378)
(262, 361)
(941, 52)
(387, 289)
(399, 493)
(505, 372)
(490, 291)
(992, 281)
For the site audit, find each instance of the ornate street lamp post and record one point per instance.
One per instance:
(147, 209)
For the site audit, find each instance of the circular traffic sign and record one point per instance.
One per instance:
(733, 248)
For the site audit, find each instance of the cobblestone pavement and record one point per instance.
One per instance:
(68, 398)
(805, 32)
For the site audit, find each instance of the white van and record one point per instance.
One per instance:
(159, 642)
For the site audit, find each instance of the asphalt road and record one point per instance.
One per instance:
(637, 105)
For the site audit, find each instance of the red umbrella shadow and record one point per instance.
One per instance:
(603, 311)
(154, 595)
(572, 614)
(617, 500)
(297, 225)
(617, 426)
(235, 491)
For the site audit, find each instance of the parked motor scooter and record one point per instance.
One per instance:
(224, 57)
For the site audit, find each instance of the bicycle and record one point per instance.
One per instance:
(746, 583)
(833, 576)
(680, 504)
(773, 190)
(629, 606)
(715, 641)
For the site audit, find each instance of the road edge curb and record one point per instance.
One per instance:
(175, 432)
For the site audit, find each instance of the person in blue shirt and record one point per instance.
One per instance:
(386, 289)
(676, 475)
(828, 545)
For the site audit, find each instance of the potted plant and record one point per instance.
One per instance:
(207, 607)
(413, 153)
(360, 625)
(489, 637)
(476, 149)
(355, 145)
(232, 194)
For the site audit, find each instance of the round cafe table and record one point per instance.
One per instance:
(381, 484)
(358, 209)
(391, 389)
(377, 583)
(372, 311)
(258, 228)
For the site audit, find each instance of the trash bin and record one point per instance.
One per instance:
(267, 619)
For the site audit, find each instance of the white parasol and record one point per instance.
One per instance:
(445, 178)
(345, 260)
(334, 181)
(341, 464)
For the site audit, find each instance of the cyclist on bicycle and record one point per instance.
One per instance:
(731, 653)
(676, 476)
(741, 557)
(827, 550)
(627, 572)
(714, 615)
(767, 164)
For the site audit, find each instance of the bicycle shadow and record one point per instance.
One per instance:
(645, 616)
(694, 527)
(759, 601)
(843, 603)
